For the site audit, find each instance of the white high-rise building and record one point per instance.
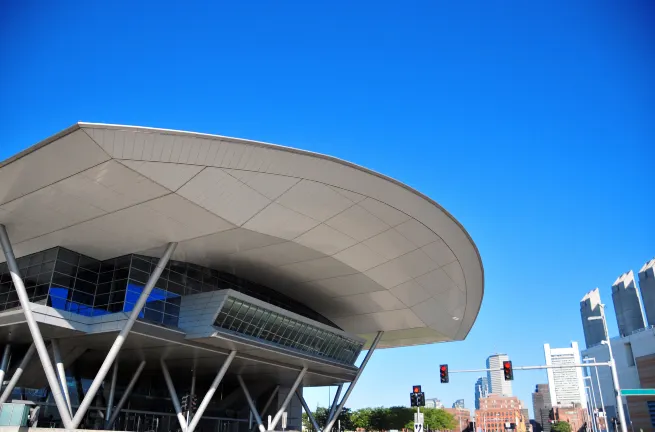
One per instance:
(496, 378)
(566, 384)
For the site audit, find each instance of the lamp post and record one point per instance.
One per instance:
(591, 409)
(600, 390)
(615, 377)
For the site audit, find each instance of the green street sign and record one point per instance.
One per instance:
(638, 392)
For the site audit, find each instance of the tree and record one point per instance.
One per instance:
(321, 417)
(436, 418)
(379, 418)
(361, 418)
(398, 417)
(560, 426)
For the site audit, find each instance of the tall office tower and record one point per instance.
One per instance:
(496, 378)
(541, 406)
(481, 390)
(594, 331)
(647, 288)
(627, 304)
(566, 385)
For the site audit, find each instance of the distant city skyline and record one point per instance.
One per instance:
(481, 390)
(496, 378)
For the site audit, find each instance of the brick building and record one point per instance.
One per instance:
(462, 417)
(496, 410)
(575, 415)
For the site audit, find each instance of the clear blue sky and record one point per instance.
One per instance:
(532, 122)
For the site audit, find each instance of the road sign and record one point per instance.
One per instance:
(638, 392)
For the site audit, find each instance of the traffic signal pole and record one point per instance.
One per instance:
(532, 367)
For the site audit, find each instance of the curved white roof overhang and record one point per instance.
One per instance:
(364, 250)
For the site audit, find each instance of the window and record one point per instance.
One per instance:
(630, 357)
(651, 412)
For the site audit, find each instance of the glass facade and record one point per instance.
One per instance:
(73, 282)
(250, 320)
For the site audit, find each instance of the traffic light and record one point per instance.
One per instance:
(413, 399)
(507, 370)
(194, 403)
(185, 402)
(443, 372)
(420, 399)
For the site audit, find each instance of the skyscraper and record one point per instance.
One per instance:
(541, 406)
(496, 378)
(594, 331)
(647, 288)
(627, 304)
(481, 390)
(566, 385)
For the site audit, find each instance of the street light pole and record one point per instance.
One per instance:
(600, 391)
(615, 377)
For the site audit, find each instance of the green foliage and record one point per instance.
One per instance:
(383, 419)
(321, 417)
(436, 418)
(560, 427)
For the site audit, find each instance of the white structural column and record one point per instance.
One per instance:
(210, 393)
(335, 402)
(61, 372)
(287, 399)
(112, 390)
(173, 393)
(251, 404)
(19, 371)
(126, 395)
(615, 377)
(269, 402)
(120, 339)
(308, 411)
(41, 349)
(351, 387)
(5, 363)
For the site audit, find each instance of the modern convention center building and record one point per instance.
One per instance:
(157, 280)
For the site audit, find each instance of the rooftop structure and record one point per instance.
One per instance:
(590, 306)
(647, 287)
(627, 304)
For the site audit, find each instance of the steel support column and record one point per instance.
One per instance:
(126, 394)
(210, 393)
(351, 387)
(268, 402)
(251, 404)
(19, 371)
(308, 411)
(292, 390)
(112, 391)
(335, 402)
(5, 363)
(173, 393)
(120, 339)
(61, 372)
(41, 349)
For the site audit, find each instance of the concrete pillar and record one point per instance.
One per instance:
(294, 410)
